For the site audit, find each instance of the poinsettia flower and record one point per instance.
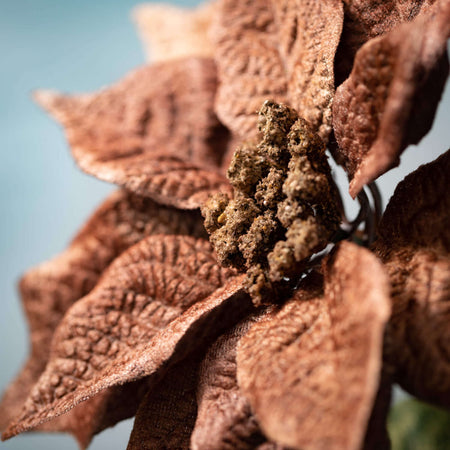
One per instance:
(138, 317)
(78, 370)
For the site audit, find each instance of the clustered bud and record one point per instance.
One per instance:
(284, 207)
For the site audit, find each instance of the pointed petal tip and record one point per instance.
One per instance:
(375, 165)
(45, 98)
(360, 179)
(356, 186)
(145, 14)
(53, 102)
(8, 434)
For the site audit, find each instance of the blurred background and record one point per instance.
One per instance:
(75, 47)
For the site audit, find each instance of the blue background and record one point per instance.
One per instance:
(74, 47)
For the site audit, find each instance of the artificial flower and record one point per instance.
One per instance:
(137, 316)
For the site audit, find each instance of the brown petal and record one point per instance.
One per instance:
(311, 370)
(418, 212)
(154, 132)
(132, 323)
(51, 288)
(366, 19)
(280, 50)
(224, 418)
(415, 246)
(168, 413)
(418, 333)
(390, 98)
(103, 410)
(166, 416)
(169, 32)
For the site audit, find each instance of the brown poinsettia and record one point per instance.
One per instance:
(288, 328)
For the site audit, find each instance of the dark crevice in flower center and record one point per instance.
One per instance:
(369, 215)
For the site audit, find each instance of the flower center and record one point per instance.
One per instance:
(284, 207)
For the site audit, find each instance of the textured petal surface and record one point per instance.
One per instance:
(419, 335)
(169, 32)
(201, 391)
(132, 323)
(390, 99)
(415, 246)
(366, 19)
(102, 411)
(166, 416)
(154, 132)
(418, 213)
(203, 400)
(224, 418)
(280, 50)
(51, 288)
(311, 370)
